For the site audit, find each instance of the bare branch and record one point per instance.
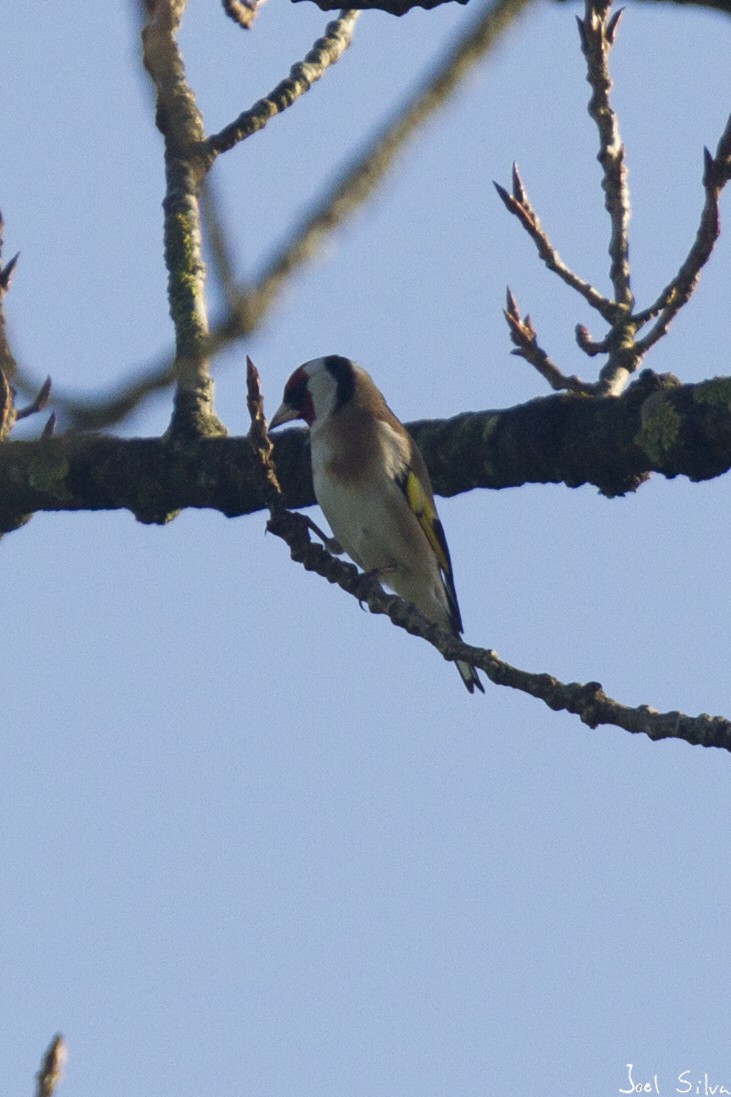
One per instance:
(597, 37)
(588, 701)
(355, 182)
(625, 352)
(523, 334)
(518, 204)
(393, 7)
(325, 52)
(717, 172)
(657, 425)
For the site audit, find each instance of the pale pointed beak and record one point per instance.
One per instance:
(284, 414)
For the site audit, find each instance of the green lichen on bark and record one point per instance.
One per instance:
(187, 274)
(715, 391)
(47, 472)
(661, 426)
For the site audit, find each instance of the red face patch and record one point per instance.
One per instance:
(298, 396)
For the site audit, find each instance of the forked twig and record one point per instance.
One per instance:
(524, 335)
(625, 352)
(519, 205)
(716, 174)
(354, 183)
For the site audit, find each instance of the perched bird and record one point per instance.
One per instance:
(373, 487)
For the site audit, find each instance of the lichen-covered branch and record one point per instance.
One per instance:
(325, 52)
(181, 125)
(656, 425)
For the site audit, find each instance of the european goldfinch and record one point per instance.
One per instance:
(373, 487)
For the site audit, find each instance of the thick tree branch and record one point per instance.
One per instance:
(181, 125)
(588, 701)
(657, 425)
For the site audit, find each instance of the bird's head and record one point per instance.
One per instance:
(316, 390)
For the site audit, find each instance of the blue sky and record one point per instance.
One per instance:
(253, 839)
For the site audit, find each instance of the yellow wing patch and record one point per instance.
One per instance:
(422, 506)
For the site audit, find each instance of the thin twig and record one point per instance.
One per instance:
(524, 335)
(716, 174)
(325, 52)
(519, 205)
(588, 701)
(597, 31)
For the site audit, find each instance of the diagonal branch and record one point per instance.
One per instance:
(717, 173)
(519, 205)
(588, 701)
(325, 52)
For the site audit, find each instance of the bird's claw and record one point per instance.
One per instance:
(374, 576)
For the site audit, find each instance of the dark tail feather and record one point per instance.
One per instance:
(468, 674)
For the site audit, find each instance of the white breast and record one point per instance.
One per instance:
(371, 519)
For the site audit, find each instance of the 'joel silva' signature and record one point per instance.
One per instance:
(685, 1082)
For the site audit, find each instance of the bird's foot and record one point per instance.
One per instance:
(375, 575)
